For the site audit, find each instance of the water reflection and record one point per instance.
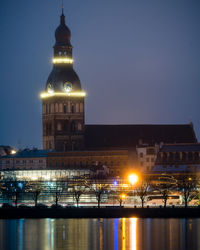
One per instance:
(116, 234)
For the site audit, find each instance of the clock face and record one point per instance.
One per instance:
(50, 89)
(67, 86)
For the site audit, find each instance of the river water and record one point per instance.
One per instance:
(97, 234)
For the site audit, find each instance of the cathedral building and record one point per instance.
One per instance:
(63, 119)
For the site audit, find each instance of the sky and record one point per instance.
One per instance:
(138, 61)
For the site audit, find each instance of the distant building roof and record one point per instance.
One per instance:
(172, 168)
(5, 150)
(126, 136)
(27, 153)
(181, 147)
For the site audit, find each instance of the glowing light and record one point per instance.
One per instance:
(57, 60)
(71, 94)
(13, 152)
(115, 183)
(133, 178)
(123, 196)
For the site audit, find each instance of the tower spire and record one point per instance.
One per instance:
(62, 8)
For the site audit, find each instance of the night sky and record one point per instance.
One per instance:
(138, 61)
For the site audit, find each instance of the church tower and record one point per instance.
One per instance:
(63, 98)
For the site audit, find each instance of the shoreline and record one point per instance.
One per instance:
(37, 213)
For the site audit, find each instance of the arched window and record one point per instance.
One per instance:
(52, 108)
(79, 126)
(60, 53)
(56, 107)
(65, 108)
(59, 126)
(72, 108)
(60, 108)
(72, 126)
(77, 107)
(47, 108)
(81, 107)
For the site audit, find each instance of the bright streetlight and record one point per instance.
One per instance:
(133, 178)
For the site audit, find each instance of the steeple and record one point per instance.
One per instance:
(63, 36)
(63, 98)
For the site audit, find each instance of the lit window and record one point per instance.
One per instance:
(79, 126)
(59, 126)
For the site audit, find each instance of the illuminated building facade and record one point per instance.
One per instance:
(64, 129)
(63, 98)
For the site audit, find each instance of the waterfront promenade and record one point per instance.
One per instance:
(111, 212)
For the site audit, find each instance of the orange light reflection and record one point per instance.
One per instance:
(133, 233)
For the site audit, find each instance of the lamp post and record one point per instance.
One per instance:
(133, 179)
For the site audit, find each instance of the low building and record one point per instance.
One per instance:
(146, 155)
(25, 159)
(116, 160)
(177, 158)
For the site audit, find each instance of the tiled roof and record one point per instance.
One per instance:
(126, 136)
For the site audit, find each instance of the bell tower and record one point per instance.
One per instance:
(63, 98)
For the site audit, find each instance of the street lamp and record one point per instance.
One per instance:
(133, 178)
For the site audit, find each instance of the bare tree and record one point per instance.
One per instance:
(12, 190)
(165, 195)
(120, 197)
(77, 192)
(57, 190)
(99, 188)
(187, 186)
(36, 191)
(142, 190)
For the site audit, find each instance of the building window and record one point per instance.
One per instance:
(147, 160)
(7, 162)
(150, 151)
(59, 126)
(47, 108)
(31, 161)
(81, 107)
(141, 155)
(56, 107)
(77, 107)
(72, 108)
(65, 108)
(73, 126)
(52, 108)
(79, 126)
(60, 108)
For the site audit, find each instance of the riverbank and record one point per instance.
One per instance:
(17, 213)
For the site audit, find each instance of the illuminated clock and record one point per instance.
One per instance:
(50, 89)
(67, 86)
